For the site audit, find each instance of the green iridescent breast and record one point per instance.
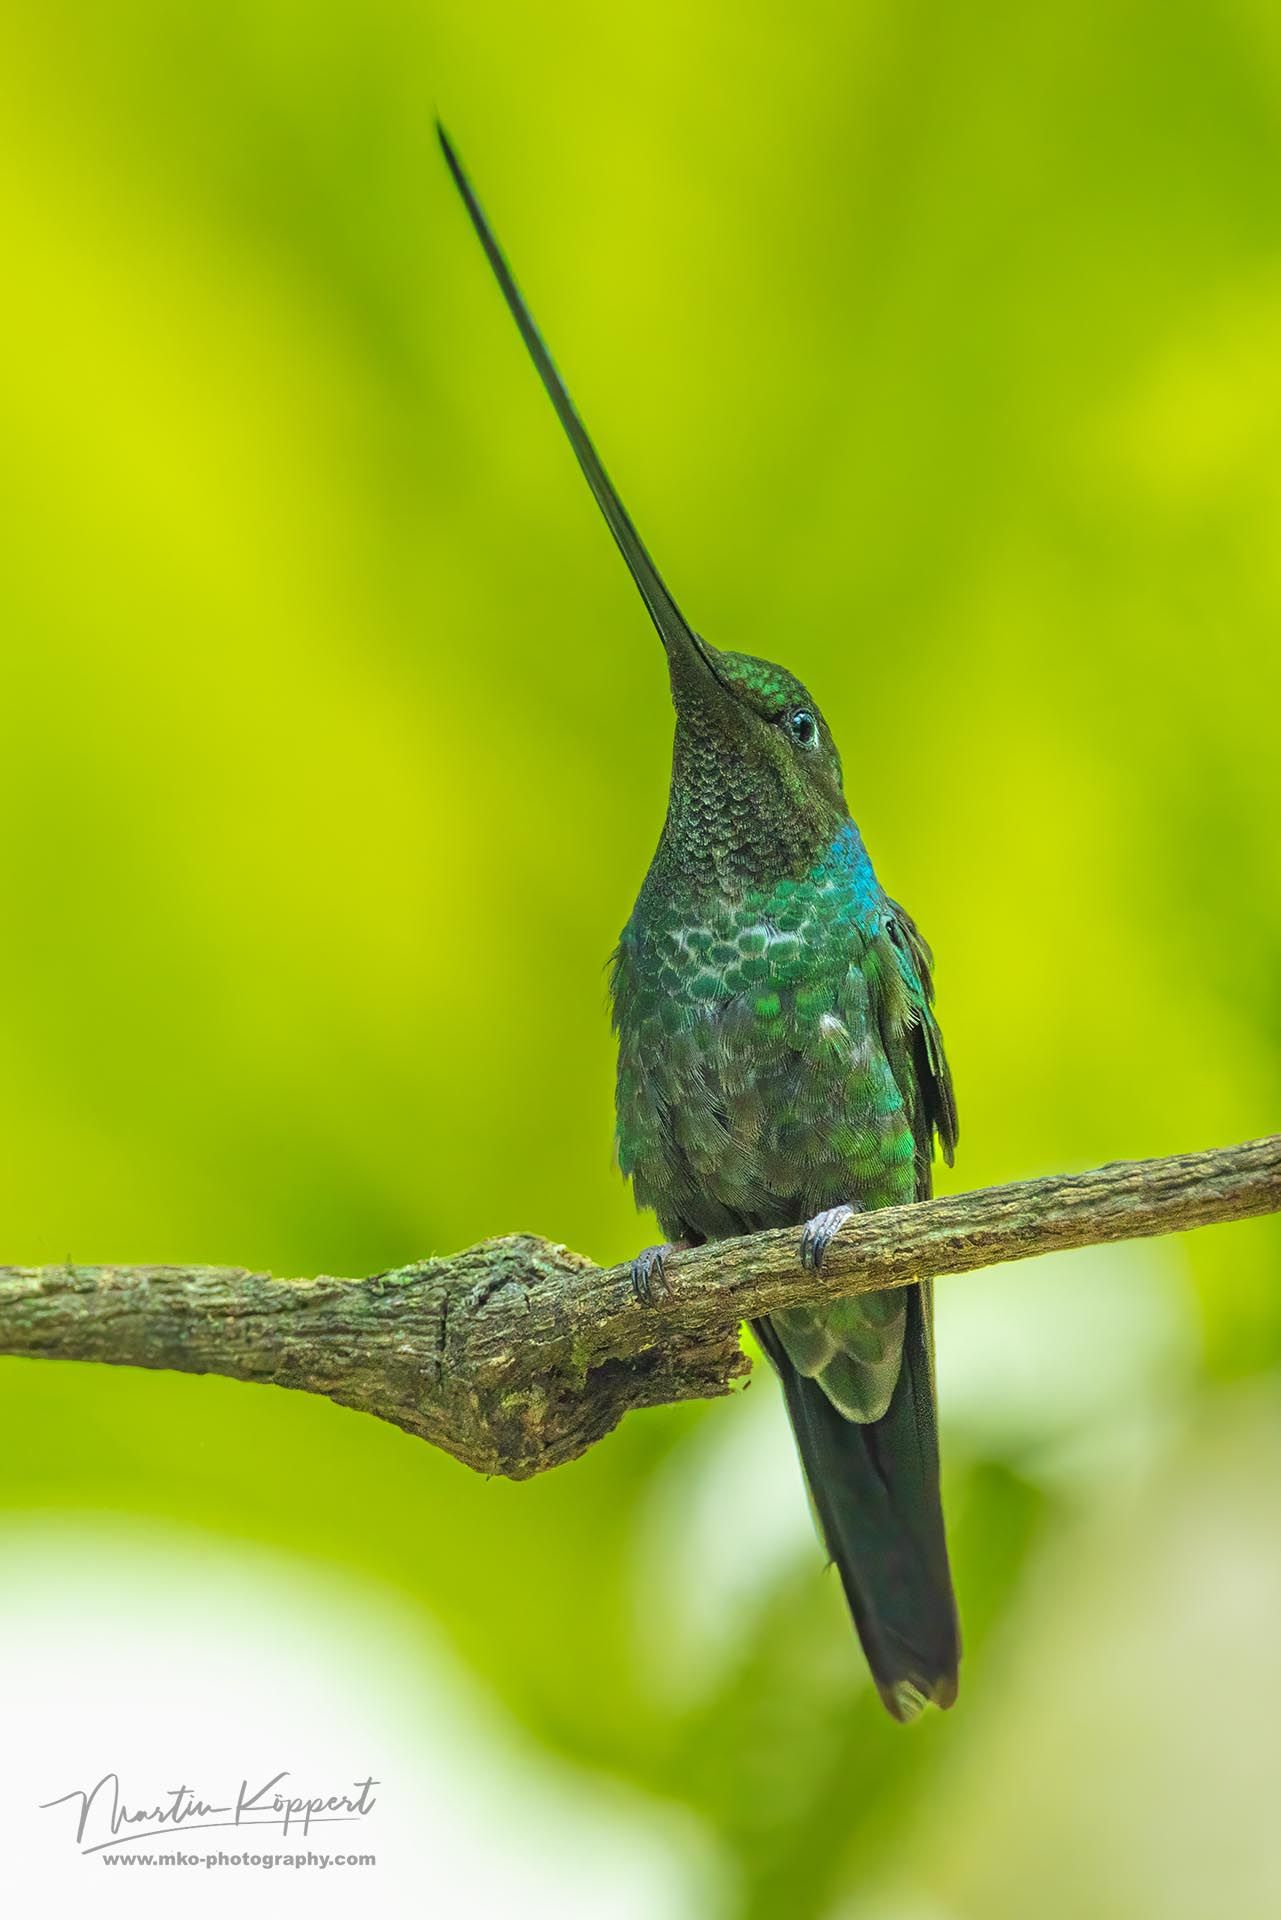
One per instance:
(755, 1084)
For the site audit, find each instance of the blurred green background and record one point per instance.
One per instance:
(938, 354)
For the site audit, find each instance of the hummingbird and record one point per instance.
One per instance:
(780, 1065)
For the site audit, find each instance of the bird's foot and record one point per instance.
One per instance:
(649, 1270)
(819, 1234)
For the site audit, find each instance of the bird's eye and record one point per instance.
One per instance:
(804, 727)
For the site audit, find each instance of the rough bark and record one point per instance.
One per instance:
(517, 1355)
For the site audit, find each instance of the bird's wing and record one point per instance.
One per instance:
(854, 1348)
(916, 1054)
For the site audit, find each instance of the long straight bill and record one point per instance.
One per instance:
(666, 614)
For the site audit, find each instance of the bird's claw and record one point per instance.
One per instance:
(649, 1272)
(819, 1234)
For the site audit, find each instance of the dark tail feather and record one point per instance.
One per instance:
(876, 1491)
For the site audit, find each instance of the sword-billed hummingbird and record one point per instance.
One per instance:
(779, 1064)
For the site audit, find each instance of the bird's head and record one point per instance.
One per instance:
(756, 777)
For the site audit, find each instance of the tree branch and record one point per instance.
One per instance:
(518, 1355)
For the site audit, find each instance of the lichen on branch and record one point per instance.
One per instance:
(517, 1355)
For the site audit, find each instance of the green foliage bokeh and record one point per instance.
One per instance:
(938, 355)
